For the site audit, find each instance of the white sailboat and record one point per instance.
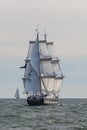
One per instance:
(43, 76)
(17, 95)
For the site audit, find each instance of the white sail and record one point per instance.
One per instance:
(51, 49)
(46, 68)
(45, 60)
(43, 50)
(31, 45)
(17, 94)
(32, 81)
(35, 62)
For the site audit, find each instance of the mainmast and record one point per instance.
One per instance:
(39, 59)
(45, 35)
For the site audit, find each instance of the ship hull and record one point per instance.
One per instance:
(35, 100)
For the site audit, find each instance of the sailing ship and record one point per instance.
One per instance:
(43, 76)
(17, 95)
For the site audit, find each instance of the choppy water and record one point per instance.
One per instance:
(68, 114)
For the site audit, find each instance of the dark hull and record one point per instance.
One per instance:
(34, 101)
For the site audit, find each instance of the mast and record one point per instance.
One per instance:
(39, 59)
(45, 36)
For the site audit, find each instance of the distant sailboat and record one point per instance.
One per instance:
(43, 76)
(17, 95)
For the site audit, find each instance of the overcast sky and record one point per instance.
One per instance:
(65, 22)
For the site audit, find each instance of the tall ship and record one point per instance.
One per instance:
(43, 76)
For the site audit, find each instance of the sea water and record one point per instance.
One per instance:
(68, 114)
